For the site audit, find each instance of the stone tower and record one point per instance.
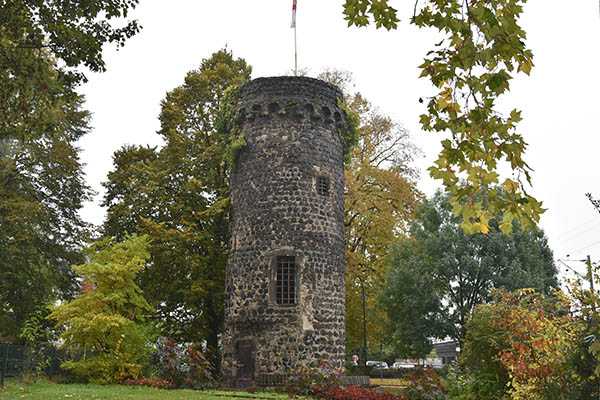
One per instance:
(285, 300)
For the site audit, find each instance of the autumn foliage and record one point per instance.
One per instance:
(521, 345)
(104, 329)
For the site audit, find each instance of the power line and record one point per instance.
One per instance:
(570, 268)
(587, 247)
(575, 235)
(578, 227)
(596, 204)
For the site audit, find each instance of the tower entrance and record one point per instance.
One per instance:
(245, 357)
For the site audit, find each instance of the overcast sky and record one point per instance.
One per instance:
(559, 101)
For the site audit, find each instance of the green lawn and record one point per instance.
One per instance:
(51, 391)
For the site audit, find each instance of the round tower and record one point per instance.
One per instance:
(285, 301)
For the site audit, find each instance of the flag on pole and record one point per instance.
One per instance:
(294, 14)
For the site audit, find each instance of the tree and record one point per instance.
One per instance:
(42, 43)
(379, 201)
(483, 45)
(42, 189)
(104, 326)
(179, 196)
(440, 274)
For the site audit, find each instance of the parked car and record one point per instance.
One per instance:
(377, 364)
(403, 365)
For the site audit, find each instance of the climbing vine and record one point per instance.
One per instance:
(350, 130)
(482, 48)
(226, 124)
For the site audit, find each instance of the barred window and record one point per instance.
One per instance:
(323, 185)
(285, 280)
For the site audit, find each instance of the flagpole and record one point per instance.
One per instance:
(295, 40)
(295, 53)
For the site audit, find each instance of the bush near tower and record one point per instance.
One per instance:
(104, 332)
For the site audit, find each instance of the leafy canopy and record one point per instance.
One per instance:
(482, 48)
(72, 31)
(42, 187)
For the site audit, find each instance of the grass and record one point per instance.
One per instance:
(43, 390)
(392, 386)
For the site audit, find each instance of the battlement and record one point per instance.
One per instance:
(289, 97)
(283, 86)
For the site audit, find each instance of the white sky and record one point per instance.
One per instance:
(559, 101)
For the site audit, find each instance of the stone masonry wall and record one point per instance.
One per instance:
(291, 127)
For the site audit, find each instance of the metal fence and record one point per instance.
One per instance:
(13, 360)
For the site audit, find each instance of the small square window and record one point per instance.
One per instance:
(285, 280)
(323, 185)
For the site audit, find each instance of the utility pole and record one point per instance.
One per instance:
(590, 273)
(596, 204)
(364, 309)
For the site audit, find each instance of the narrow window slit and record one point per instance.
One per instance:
(323, 185)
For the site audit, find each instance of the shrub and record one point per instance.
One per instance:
(104, 327)
(185, 365)
(520, 345)
(39, 335)
(156, 383)
(306, 377)
(425, 384)
(352, 393)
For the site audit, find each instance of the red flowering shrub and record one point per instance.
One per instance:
(184, 364)
(352, 393)
(151, 382)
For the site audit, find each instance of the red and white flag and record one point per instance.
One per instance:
(294, 14)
